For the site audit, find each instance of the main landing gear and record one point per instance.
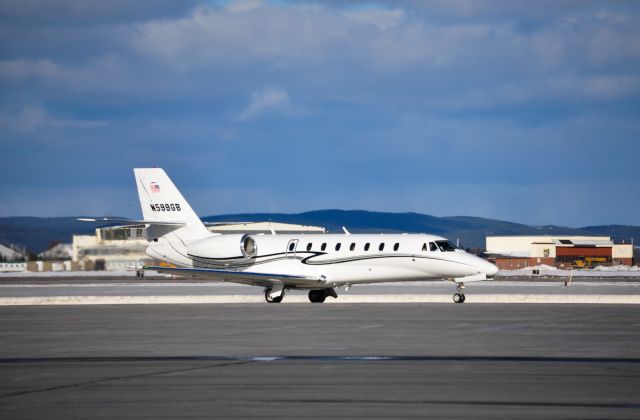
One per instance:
(458, 297)
(276, 294)
(318, 296)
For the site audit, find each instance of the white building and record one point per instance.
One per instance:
(515, 252)
(9, 260)
(111, 248)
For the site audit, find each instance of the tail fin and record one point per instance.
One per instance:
(162, 202)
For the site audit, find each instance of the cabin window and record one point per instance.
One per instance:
(309, 245)
(366, 246)
(353, 246)
(433, 246)
(424, 246)
(381, 247)
(323, 247)
(396, 246)
(291, 246)
(338, 246)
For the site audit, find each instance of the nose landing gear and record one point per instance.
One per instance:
(458, 297)
(274, 295)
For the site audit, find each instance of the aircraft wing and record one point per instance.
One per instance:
(243, 277)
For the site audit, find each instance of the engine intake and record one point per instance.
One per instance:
(223, 249)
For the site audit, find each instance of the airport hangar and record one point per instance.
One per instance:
(516, 252)
(123, 247)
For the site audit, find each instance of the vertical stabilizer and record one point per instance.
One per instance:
(161, 201)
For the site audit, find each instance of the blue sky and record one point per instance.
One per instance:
(517, 110)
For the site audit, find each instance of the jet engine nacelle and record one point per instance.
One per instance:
(223, 249)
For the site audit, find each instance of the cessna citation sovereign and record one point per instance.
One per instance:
(318, 263)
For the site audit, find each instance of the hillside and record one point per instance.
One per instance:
(471, 231)
(37, 233)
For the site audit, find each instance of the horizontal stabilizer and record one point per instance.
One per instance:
(131, 221)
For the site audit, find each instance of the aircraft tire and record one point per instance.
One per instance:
(272, 300)
(317, 296)
(458, 298)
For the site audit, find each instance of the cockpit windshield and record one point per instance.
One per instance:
(446, 246)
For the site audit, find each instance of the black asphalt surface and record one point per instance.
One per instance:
(318, 361)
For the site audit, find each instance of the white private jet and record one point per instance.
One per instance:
(318, 263)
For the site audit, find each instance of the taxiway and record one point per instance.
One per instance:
(302, 360)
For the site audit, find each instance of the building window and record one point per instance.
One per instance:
(381, 247)
(353, 246)
(309, 246)
(366, 246)
(323, 247)
(396, 246)
(338, 246)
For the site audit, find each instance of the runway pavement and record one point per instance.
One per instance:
(66, 291)
(302, 360)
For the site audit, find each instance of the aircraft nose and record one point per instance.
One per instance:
(481, 266)
(488, 268)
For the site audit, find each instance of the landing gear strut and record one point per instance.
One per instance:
(318, 296)
(458, 297)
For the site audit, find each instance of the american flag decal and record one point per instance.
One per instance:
(155, 188)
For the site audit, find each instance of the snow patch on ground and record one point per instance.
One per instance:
(601, 271)
(115, 273)
(618, 268)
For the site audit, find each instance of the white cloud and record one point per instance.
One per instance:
(21, 70)
(334, 54)
(241, 6)
(388, 57)
(380, 18)
(105, 73)
(32, 118)
(263, 101)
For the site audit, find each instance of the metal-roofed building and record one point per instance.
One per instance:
(515, 252)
